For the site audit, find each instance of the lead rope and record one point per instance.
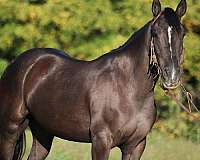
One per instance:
(189, 100)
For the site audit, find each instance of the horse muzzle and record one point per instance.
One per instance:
(167, 85)
(170, 77)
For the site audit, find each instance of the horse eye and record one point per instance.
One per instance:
(153, 32)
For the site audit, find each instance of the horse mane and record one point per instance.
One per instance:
(132, 40)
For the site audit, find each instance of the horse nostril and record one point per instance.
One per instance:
(181, 72)
(166, 72)
(174, 80)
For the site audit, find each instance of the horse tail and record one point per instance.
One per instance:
(20, 147)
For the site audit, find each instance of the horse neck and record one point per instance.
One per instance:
(136, 50)
(138, 47)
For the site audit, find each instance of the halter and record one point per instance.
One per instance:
(153, 62)
(154, 68)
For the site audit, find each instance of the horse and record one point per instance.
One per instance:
(108, 101)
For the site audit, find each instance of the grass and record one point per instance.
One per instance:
(158, 148)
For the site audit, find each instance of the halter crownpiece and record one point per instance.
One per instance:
(155, 19)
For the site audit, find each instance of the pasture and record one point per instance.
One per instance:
(158, 148)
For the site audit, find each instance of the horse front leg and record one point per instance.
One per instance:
(101, 146)
(7, 146)
(11, 140)
(129, 152)
(42, 142)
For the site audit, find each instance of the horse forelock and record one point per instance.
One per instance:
(171, 18)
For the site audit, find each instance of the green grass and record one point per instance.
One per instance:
(158, 148)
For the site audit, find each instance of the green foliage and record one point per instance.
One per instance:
(87, 29)
(3, 64)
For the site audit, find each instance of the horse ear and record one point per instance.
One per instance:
(181, 8)
(156, 7)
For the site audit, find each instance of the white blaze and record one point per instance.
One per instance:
(170, 47)
(170, 39)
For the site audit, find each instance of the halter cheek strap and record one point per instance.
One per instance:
(153, 63)
(154, 68)
(152, 57)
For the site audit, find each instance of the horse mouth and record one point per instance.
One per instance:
(169, 86)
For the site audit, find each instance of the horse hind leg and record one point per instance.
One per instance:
(42, 142)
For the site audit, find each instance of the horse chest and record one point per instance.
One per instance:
(139, 123)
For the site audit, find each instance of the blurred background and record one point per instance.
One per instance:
(86, 29)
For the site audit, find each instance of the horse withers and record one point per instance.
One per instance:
(108, 102)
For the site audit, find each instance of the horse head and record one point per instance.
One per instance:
(167, 39)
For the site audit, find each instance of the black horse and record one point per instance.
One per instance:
(108, 101)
